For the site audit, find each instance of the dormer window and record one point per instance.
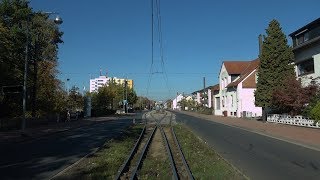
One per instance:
(302, 37)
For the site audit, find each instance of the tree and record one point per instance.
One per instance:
(16, 16)
(75, 99)
(13, 14)
(43, 49)
(292, 98)
(141, 102)
(276, 63)
(132, 97)
(190, 104)
(51, 97)
(110, 97)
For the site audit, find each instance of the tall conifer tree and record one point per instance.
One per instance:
(275, 65)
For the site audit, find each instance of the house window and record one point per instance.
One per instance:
(226, 101)
(313, 33)
(234, 77)
(231, 100)
(306, 67)
(222, 101)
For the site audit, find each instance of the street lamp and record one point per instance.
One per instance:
(58, 21)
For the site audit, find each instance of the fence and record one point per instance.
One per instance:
(293, 120)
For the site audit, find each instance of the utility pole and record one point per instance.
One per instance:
(260, 44)
(204, 88)
(123, 102)
(24, 108)
(126, 85)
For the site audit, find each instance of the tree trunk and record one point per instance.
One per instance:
(264, 114)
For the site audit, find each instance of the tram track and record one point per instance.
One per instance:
(155, 122)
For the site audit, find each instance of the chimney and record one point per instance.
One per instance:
(260, 44)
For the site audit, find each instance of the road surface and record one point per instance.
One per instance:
(45, 157)
(257, 156)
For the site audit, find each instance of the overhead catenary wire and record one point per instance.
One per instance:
(152, 29)
(161, 45)
(156, 21)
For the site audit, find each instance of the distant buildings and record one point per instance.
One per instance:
(234, 95)
(96, 83)
(205, 96)
(306, 49)
(175, 102)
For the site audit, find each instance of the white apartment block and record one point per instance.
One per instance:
(96, 83)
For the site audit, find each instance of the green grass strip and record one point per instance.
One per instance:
(203, 161)
(105, 163)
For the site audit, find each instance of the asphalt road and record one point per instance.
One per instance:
(45, 157)
(257, 156)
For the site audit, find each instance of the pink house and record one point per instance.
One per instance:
(236, 92)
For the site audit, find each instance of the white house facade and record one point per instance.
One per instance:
(237, 85)
(175, 102)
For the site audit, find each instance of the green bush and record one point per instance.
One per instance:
(205, 110)
(315, 112)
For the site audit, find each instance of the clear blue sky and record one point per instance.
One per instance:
(115, 35)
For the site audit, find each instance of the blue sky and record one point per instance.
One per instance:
(115, 36)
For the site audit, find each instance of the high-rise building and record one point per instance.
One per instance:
(96, 83)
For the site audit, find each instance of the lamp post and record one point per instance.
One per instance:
(57, 20)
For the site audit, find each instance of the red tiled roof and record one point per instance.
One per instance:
(215, 87)
(235, 67)
(250, 81)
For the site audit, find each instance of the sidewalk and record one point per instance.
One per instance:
(307, 137)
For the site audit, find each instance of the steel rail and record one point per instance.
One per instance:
(125, 166)
(173, 166)
(158, 121)
(134, 173)
(182, 155)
